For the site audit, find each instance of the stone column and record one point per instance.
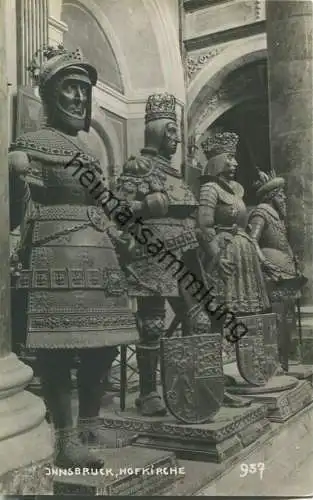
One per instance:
(289, 36)
(24, 435)
(32, 33)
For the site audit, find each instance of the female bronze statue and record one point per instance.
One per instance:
(230, 257)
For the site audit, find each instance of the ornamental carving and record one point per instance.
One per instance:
(258, 9)
(195, 63)
(248, 82)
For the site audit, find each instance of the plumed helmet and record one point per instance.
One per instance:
(267, 183)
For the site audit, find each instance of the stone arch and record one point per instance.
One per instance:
(91, 8)
(217, 111)
(110, 142)
(204, 89)
(248, 82)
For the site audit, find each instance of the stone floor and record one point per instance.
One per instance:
(300, 482)
(287, 455)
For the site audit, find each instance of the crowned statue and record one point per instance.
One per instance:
(231, 259)
(268, 226)
(230, 256)
(70, 294)
(166, 240)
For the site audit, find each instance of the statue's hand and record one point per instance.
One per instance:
(157, 203)
(226, 268)
(124, 243)
(18, 162)
(127, 242)
(15, 265)
(272, 271)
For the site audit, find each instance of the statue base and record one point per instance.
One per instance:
(300, 371)
(126, 473)
(231, 430)
(22, 419)
(284, 396)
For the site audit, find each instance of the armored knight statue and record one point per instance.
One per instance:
(71, 293)
(165, 209)
(267, 224)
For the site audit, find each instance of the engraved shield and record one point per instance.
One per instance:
(257, 350)
(192, 377)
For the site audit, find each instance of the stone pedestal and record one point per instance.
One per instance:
(231, 430)
(301, 371)
(284, 396)
(25, 436)
(128, 473)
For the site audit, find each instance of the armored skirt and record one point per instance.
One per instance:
(71, 284)
(224, 214)
(71, 292)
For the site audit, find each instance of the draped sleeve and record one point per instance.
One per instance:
(206, 217)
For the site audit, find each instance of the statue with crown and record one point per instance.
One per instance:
(69, 288)
(230, 258)
(242, 272)
(268, 226)
(165, 242)
(165, 265)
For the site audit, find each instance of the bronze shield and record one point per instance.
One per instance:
(192, 377)
(257, 351)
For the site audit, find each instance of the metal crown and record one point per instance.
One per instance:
(160, 106)
(223, 142)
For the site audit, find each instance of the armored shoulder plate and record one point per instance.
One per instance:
(138, 179)
(50, 145)
(265, 211)
(138, 166)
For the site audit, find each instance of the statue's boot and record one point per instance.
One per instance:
(71, 452)
(57, 389)
(149, 402)
(94, 368)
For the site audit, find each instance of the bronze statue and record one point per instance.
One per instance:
(165, 240)
(70, 295)
(229, 255)
(267, 224)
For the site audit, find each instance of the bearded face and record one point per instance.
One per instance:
(279, 203)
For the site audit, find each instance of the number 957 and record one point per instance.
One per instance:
(246, 469)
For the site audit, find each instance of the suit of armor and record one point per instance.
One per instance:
(166, 207)
(71, 292)
(268, 228)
